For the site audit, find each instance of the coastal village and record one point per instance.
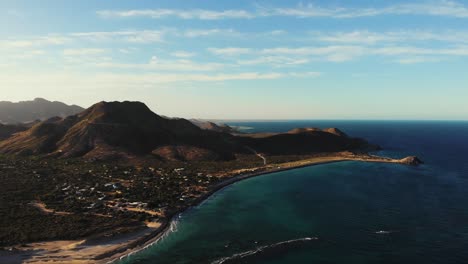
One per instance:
(123, 180)
(63, 190)
(106, 196)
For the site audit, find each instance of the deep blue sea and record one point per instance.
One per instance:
(348, 212)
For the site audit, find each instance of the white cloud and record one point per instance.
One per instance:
(230, 51)
(141, 36)
(426, 8)
(403, 50)
(83, 52)
(183, 14)
(33, 42)
(183, 54)
(289, 56)
(275, 61)
(330, 53)
(25, 55)
(371, 38)
(305, 74)
(284, 56)
(277, 32)
(114, 81)
(157, 64)
(364, 37)
(127, 50)
(192, 33)
(418, 59)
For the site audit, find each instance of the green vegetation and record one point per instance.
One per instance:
(81, 198)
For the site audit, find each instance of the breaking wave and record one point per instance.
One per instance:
(261, 249)
(173, 226)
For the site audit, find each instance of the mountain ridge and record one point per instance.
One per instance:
(110, 127)
(37, 109)
(130, 129)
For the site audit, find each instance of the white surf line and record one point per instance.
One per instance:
(258, 154)
(171, 229)
(260, 249)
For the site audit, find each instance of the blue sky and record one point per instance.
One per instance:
(242, 59)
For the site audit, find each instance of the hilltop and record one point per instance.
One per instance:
(118, 129)
(117, 170)
(37, 109)
(212, 126)
(302, 141)
(112, 130)
(7, 131)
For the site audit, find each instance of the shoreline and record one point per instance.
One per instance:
(166, 226)
(109, 251)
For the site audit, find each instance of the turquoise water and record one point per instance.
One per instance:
(347, 212)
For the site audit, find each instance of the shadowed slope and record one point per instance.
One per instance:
(208, 125)
(7, 131)
(305, 141)
(27, 111)
(110, 128)
(128, 129)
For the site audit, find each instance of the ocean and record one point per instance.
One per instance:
(347, 212)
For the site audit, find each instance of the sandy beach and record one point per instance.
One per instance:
(106, 250)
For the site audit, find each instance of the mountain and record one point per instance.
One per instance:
(331, 130)
(7, 131)
(38, 109)
(301, 141)
(116, 129)
(111, 130)
(208, 125)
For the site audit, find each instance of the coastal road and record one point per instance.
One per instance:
(258, 154)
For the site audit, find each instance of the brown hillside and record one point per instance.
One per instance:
(305, 141)
(127, 126)
(7, 131)
(129, 129)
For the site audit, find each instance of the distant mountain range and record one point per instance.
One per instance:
(113, 130)
(38, 109)
(7, 130)
(208, 125)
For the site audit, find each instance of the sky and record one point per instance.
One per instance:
(364, 59)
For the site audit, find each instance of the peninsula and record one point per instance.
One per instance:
(94, 186)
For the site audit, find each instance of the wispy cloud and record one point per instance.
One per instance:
(230, 51)
(83, 52)
(426, 8)
(131, 36)
(183, 54)
(192, 33)
(25, 55)
(418, 59)
(33, 42)
(275, 61)
(178, 65)
(334, 53)
(183, 14)
(141, 36)
(126, 81)
(408, 50)
(284, 56)
(276, 32)
(371, 38)
(127, 50)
